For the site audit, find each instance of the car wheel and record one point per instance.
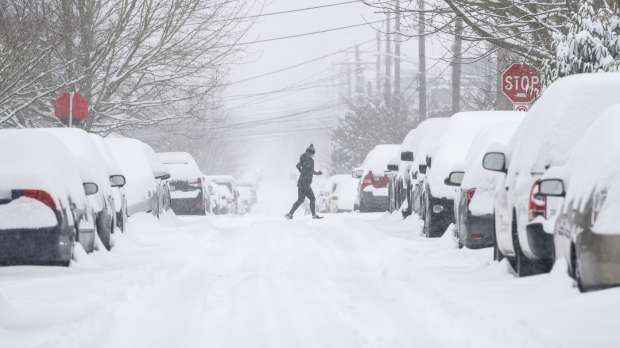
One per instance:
(427, 221)
(575, 269)
(522, 265)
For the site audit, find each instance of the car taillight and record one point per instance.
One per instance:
(536, 205)
(367, 180)
(39, 195)
(469, 195)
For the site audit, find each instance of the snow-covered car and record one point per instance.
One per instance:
(372, 192)
(586, 232)
(450, 156)
(92, 169)
(428, 137)
(117, 180)
(229, 196)
(544, 140)
(400, 184)
(474, 202)
(186, 183)
(42, 200)
(342, 192)
(223, 198)
(394, 185)
(143, 188)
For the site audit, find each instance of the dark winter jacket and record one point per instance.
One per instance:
(306, 170)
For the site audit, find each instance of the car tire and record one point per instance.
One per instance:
(575, 269)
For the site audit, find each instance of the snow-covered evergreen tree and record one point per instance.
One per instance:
(592, 43)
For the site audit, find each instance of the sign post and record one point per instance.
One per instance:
(521, 84)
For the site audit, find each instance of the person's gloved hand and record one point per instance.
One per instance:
(319, 173)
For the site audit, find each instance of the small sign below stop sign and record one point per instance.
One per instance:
(521, 83)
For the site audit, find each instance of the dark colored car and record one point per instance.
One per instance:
(475, 226)
(187, 185)
(41, 207)
(440, 194)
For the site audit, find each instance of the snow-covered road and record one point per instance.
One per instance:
(351, 280)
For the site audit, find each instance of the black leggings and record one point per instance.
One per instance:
(302, 193)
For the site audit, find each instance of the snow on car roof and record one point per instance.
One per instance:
(181, 165)
(475, 175)
(377, 159)
(593, 166)
(452, 152)
(108, 158)
(87, 155)
(137, 167)
(427, 138)
(35, 160)
(558, 119)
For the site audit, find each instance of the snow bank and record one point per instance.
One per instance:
(451, 155)
(26, 212)
(377, 159)
(180, 165)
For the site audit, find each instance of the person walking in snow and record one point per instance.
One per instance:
(304, 189)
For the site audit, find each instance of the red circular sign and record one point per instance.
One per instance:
(521, 83)
(63, 109)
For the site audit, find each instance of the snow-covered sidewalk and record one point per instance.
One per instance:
(349, 280)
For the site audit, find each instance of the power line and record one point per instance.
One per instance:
(278, 38)
(271, 119)
(294, 66)
(268, 14)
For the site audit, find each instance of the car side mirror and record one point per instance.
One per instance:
(454, 179)
(494, 161)
(117, 180)
(90, 188)
(551, 188)
(392, 167)
(422, 169)
(357, 173)
(406, 156)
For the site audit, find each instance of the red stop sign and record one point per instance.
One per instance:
(521, 83)
(63, 108)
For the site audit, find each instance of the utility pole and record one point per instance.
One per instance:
(388, 60)
(349, 82)
(503, 62)
(397, 44)
(378, 67)
(422, 61)
(359, 73)
(457, 65)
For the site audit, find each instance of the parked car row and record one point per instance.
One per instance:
(63, 187)
(539, 187)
